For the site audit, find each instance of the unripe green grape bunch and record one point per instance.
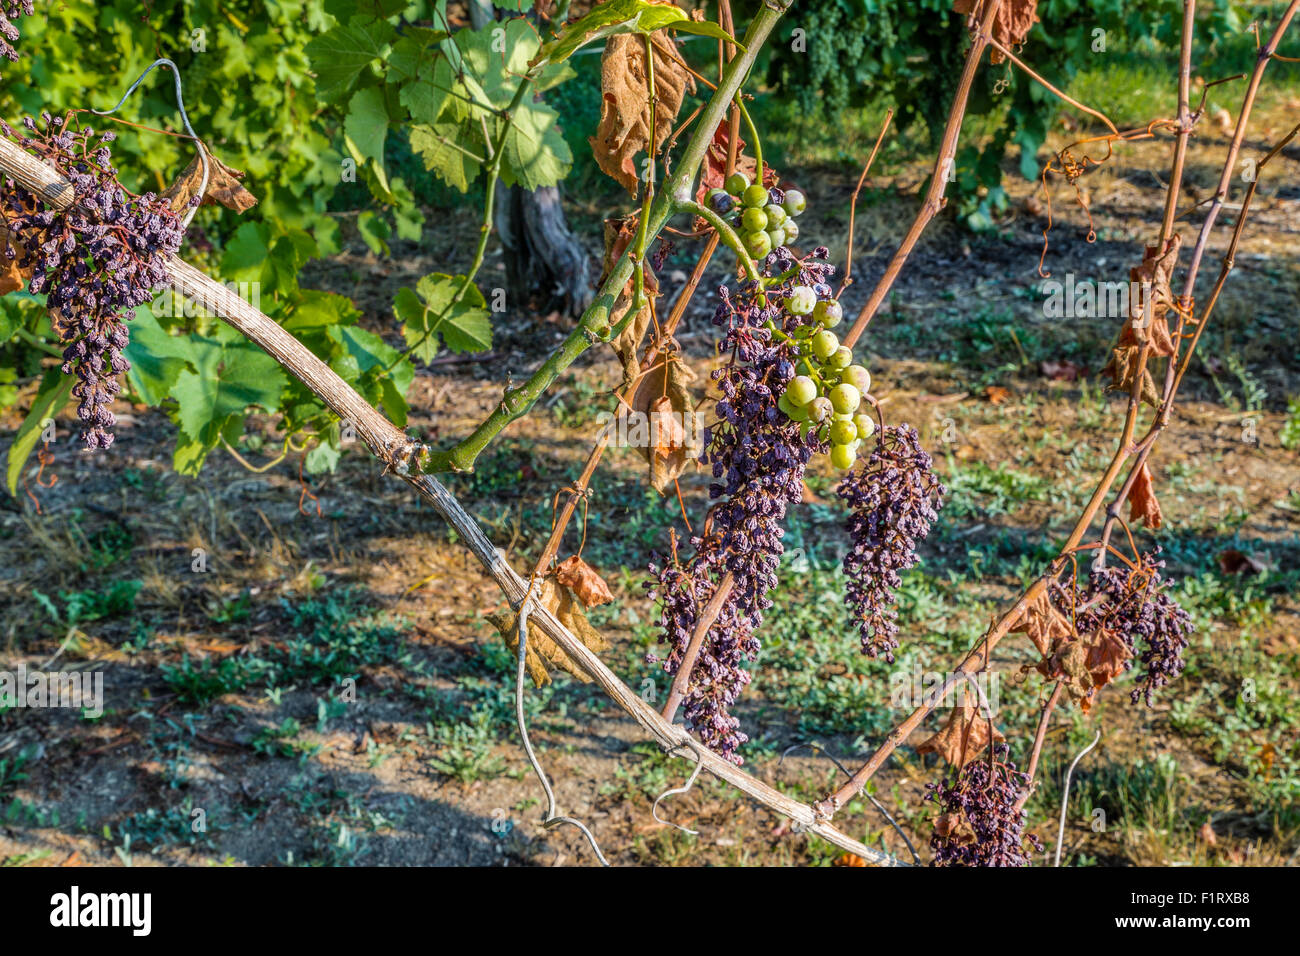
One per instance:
(765, 225)
(826, 394)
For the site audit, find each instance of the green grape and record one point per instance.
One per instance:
(795, 202)
(858, 377)
(843, 432)
(754, 220)
(791, 230)
(736, 183)
(845, 398)
(777, 236)
(865, 425)
(775, 215)
(820, 409)
(754, 197)
(843, 456)
(796, 413)
(757, 244)
(824, 344)
(800, 391)
(829, 313)
(842, 358)
(801, 300)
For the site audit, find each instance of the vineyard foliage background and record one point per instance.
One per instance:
(220, 682)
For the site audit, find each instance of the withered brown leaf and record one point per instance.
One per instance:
(541, 649)
(1088, 664)
(714, 171)
(624, 128)
(1122, 369)
(583, 580)
(1142, 502)
(1011, 24)
(1147, 322)
(1233, 561)
(619, 233)
(224, 187)
(12, 278)
(1043, 624)
(667, 429)
(963, 738)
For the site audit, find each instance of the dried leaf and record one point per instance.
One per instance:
(1233, 561)
(666, 430)
(1088, 664)
(619, 234)
(224, 187)
(963, 738)
(624, 128)
(541, 649)
(1065, 371)
(714, 172)
(581, 578)
(1044, 624)
(1142, 503)
(1147, 322)
(12, 278)
(1011, 24)
(1121, 370)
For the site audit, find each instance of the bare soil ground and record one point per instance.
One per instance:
(222, 686)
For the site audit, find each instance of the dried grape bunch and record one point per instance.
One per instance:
(719, 675)
(1132, 604)
(757, 455)
(95, 261)
(893, 500)
(10, 11)
(980, 823)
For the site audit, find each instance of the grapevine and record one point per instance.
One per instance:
(787, 394)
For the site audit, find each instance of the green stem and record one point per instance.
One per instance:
(752, 130)
(594, 326)
(728, 235)
(638, 256)
(36, 343)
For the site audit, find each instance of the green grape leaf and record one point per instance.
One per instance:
(410, 309)
(428, 313)
(339, 56)
(424, 100)
(228, 378)
(245, 255)
(325, 456)
(157, 359)
(375, 230)
(623, 16)
(54, 393)
(411, 52)
(188, 456)
(535, 152)
(318, 310)
(437, 146)
(366, 128)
